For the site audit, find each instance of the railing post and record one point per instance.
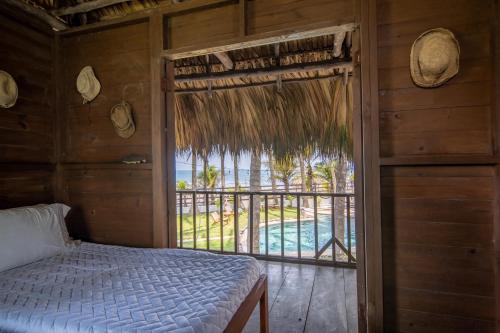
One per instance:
(236, 227)
(282, 217)
(266, 214)
(207, 218)
(251, 223)
(348, 204)
(299, 251)
(194, 220)
(221, 221)
(316, 225)
(181, 222)
(334, 253)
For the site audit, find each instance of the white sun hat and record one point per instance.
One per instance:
(87, 84)
(8, 90)
(434, 58)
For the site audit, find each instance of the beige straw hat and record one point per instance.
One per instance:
(434, 58)
(8, 90)
(87, 84)
(121, 117)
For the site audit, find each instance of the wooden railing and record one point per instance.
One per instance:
(297, 227)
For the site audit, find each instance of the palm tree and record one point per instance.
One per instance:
(285, 169)
(193, 170)
(181, 185)
(324, 172)
(255, 164)
(210, 177)
(272, 175)
(222, 168)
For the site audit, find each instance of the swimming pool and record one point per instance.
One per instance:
(306, 235)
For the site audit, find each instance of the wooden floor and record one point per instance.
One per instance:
(311, 299)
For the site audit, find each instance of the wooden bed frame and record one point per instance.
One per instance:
(256, 295)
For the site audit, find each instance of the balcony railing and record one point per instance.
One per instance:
(298, 227)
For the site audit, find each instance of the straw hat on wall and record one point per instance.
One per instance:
(87, 84)
(434, 58)
(121, 117)
(8, 90)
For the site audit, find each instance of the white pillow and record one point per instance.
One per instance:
(28, 234)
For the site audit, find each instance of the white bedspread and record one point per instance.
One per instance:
(101, 288)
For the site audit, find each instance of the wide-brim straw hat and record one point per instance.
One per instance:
(434, 58)
(8, 90)
(123, 122)
(87, 84)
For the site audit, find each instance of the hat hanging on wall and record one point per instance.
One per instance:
(87, 84)
(434, 58)
(8, 90)
(121, 117)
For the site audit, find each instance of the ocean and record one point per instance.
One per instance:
(243, 175)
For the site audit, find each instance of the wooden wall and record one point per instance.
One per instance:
(27, 129)
(437, 176)
(112, 202)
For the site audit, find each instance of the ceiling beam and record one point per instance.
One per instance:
(225, 60)
(85, 7)
(38, 12)
(256, 84)
(259, 72)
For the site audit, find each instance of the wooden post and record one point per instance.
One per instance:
(243, 18)
(158, 136)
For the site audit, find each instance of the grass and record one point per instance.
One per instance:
(274, 214)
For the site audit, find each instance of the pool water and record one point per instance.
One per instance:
(306, 235)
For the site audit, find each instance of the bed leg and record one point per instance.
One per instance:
(264, 313)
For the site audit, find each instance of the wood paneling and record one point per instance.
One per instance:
(437, 244)
(437, 219)
(112, 202)
(120, 58)
(27, 128)
(110, 206)
(453, 119)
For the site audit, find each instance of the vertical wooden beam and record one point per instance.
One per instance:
(496, 140)
(358, 184)
(367, 18)
(243, 17)
(158, 136)
(170, 137)
(57, 64)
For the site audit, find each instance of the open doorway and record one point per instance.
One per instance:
(265, 167)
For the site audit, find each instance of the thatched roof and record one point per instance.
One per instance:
(311, 109)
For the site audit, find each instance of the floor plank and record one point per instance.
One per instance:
(328, 311)
(307, 298)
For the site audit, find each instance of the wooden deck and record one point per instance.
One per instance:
(309, 299)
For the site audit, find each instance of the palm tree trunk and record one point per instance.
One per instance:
(255, 166)
(339, 207)
(222, 169)
(273, 176)
(205, 171)
(303, 179)
(193, 171)
(236, 180)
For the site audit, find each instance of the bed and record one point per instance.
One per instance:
(103, 288)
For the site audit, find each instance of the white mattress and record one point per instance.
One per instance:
(101, 288)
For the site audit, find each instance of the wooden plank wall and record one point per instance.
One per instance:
(262, 17)
(112, 202)
(437, 206)
(27, 129)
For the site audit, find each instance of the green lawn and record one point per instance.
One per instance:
(228, 228)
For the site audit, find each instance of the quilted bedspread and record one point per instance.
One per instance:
(101, 288)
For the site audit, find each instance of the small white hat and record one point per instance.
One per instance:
(434, 58)
(87, 84)
(121, 117)
(8, 90)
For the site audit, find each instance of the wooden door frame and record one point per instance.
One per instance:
(366, 159)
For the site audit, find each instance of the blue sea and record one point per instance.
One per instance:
(243, 176)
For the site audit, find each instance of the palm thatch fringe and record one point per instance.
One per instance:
(316, 114)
